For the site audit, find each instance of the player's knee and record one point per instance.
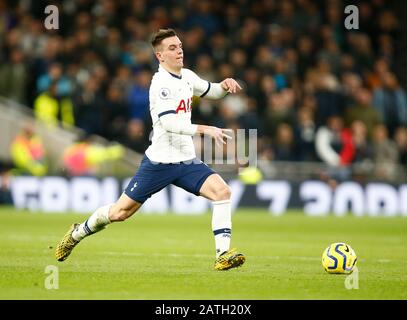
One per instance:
(223, 193)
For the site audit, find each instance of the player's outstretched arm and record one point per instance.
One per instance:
(171, 123)
(218, 90)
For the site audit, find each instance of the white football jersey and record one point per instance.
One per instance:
(170, 93)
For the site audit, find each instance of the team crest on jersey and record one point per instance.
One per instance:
(164, 93)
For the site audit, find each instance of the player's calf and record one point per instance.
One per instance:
(123, 209)
(119, 214)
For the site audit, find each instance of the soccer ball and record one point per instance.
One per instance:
(339, 257)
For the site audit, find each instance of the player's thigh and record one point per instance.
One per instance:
(215, 188)
(149, 179)
(124, 208)
(191, 176)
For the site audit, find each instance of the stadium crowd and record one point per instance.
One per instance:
(314, 90)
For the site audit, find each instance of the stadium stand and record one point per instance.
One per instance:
(299, 66)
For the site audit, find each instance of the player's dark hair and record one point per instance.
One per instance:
(160, 35)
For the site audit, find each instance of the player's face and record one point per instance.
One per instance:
(171, 53)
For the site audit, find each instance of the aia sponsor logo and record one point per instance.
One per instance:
(184, 106)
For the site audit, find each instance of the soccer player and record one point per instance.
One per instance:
(171, 159)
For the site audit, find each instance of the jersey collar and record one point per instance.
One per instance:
(172, 74)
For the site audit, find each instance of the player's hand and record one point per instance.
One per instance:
(230, 85)
(216, 133)
(220, 134)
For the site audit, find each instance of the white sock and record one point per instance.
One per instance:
(222, 225)
(96, 222)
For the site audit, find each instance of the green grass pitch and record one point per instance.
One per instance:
(171, 257)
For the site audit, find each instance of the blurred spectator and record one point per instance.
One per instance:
(284, 147)
(55, 75)
(374, 77)
(116, 114)
(329, 99)
(204, 68)
(280, 109)
(305, 130)
(334, 144)
(385, 153)
(113, 51)
(138, 97)
(351, 84)
(332, 55)
(40, 64)
(13, 77)
(305, 47)
(363, 148)
(238, 59)
(348, 64)
(361, 50)
(231, 17)
(248, 37)
(390, 101)
(5, 186)
(280, 76)
(123, 79)
(33, 39)
(193, 42)
(401, 141)
(267, 86)
(52, 109)
(232, 107)
(89, 104)
(219, 47)
(250, 119)
(28, 152)
(263, 59)
(201, 15)
(85, 156)
(363, 111)
(136, 137)
(335, 147)
(274, 40)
